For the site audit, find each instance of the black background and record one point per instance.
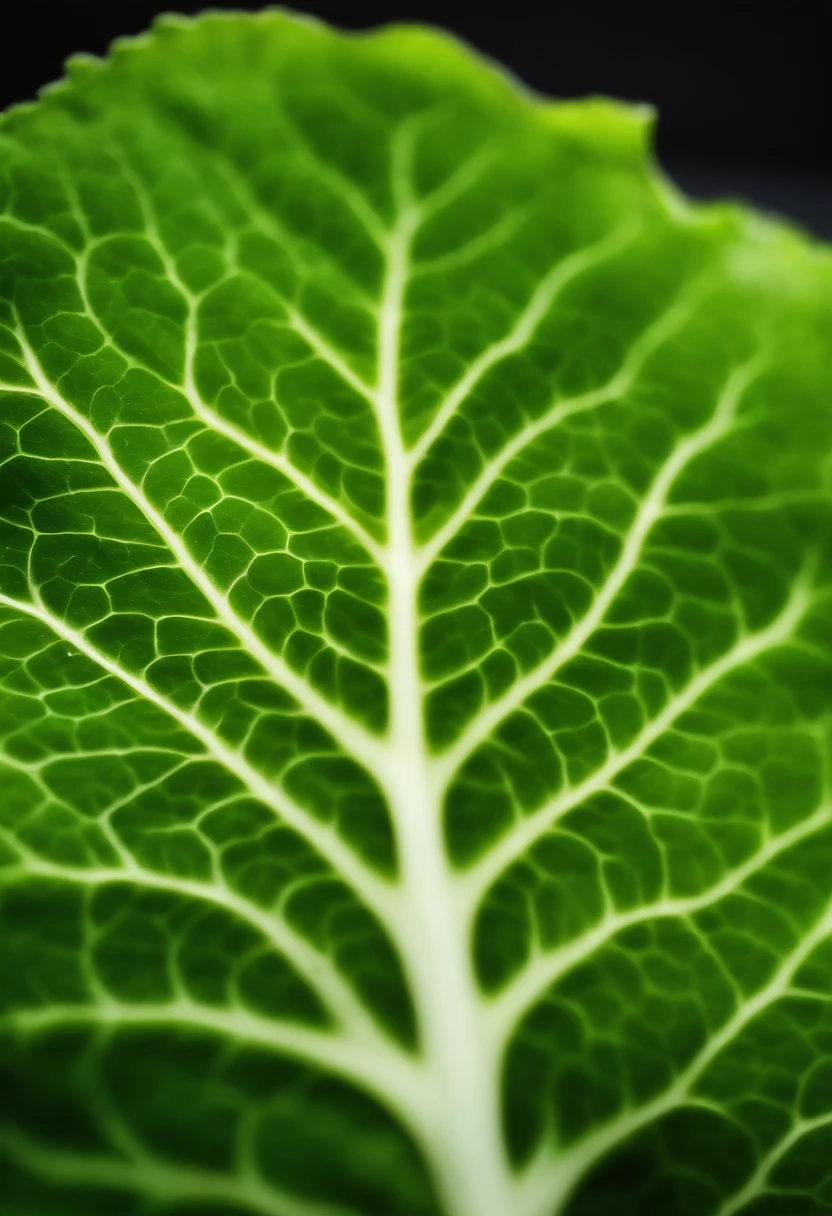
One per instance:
(743, 88)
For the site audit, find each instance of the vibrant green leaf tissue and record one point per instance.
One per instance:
(415, 650)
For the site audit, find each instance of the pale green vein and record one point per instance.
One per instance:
(568, 1169)
(161, 1180)
(758, 1184)
(380, 895)
(540, 303)
(392, 1076)
(493, 238)
(228, 177)
(337, 182)
(316, 968)
(436, 956)
(325, 351)
(508, 1007)
(468, 172)
(210, 416)
(745, 651)
(649, 512)
(617, 387)
(203, 411)
(349, 733)
(305, 484)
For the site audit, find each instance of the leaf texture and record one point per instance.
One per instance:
(415, 650)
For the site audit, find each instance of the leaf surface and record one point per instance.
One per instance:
(415, 650)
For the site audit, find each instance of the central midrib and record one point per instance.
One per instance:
(465, 1147)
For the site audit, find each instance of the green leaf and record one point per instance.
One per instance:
(415, 650)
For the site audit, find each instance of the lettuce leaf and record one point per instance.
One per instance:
(415, 650)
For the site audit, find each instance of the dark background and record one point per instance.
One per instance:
(743, 88)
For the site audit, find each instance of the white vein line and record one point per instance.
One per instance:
(508, 1006)
(756, 1184)
(200, 407)
(48, 798)
(648, 513)
(316, 968)
(465, 1148)
(215, 421)
(165, 1180)
(530, 829)
(348, 732)
(259, 451)
(570, 1167)
(393, 1076)
(617, 386)
(467, 174)
(379, 895)
(33, 766)
(327, 352)
(522, 331)
(255, 211)
(208, 415)
(502, 230)
(283, 465)
(202, 410)
(339, 184)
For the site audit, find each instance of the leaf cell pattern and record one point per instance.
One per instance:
(415, 650)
